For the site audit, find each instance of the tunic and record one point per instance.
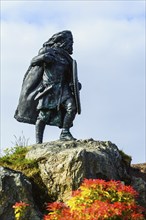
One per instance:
(58, 74)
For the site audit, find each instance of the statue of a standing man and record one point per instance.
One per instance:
(50, 90)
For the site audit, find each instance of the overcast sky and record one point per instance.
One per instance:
(109, 46)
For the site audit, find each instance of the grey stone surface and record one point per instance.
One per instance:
(15, 187)
(64, 165)
(140, 186)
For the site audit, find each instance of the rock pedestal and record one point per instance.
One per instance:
(62, 168)
(64, 165)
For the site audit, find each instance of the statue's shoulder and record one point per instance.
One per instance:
(46, 49)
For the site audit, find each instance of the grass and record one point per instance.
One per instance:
(125, 157)
(14, 159)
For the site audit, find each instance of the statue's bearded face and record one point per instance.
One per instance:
(69, 46)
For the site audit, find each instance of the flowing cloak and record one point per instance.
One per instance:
(26, 111)
(27, 107)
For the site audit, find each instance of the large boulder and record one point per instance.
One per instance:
(61, 167)
(64, 165)
(15, 187)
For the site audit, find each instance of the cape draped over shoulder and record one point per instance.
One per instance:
(26, 111)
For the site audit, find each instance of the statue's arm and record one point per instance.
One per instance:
(37, 60)
(42, 58)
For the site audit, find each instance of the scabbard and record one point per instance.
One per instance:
(41, 94)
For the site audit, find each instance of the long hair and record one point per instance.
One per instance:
(60, 39)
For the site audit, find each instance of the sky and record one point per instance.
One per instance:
(109, 47)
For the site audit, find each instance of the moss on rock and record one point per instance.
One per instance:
(15, 160)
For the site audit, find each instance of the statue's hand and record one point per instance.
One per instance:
(79, 85)
(72, 86)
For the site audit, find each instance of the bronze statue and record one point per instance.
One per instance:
(50, 89)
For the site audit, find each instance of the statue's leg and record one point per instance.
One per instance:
(70, 108)
(40, 125)
(39, 131)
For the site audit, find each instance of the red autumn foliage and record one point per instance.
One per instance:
(20, 205)
(98, 200)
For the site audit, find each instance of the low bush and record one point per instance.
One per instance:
(97, 200)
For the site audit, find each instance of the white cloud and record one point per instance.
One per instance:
(73, 9)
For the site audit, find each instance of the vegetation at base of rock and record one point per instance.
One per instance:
(95, 199)
(126, 158)
(98, 199)
(14, 158)
(21, 140)
(20, 210)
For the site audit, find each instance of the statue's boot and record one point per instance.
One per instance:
(39, 129)
(67, 123)
(66, 135)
